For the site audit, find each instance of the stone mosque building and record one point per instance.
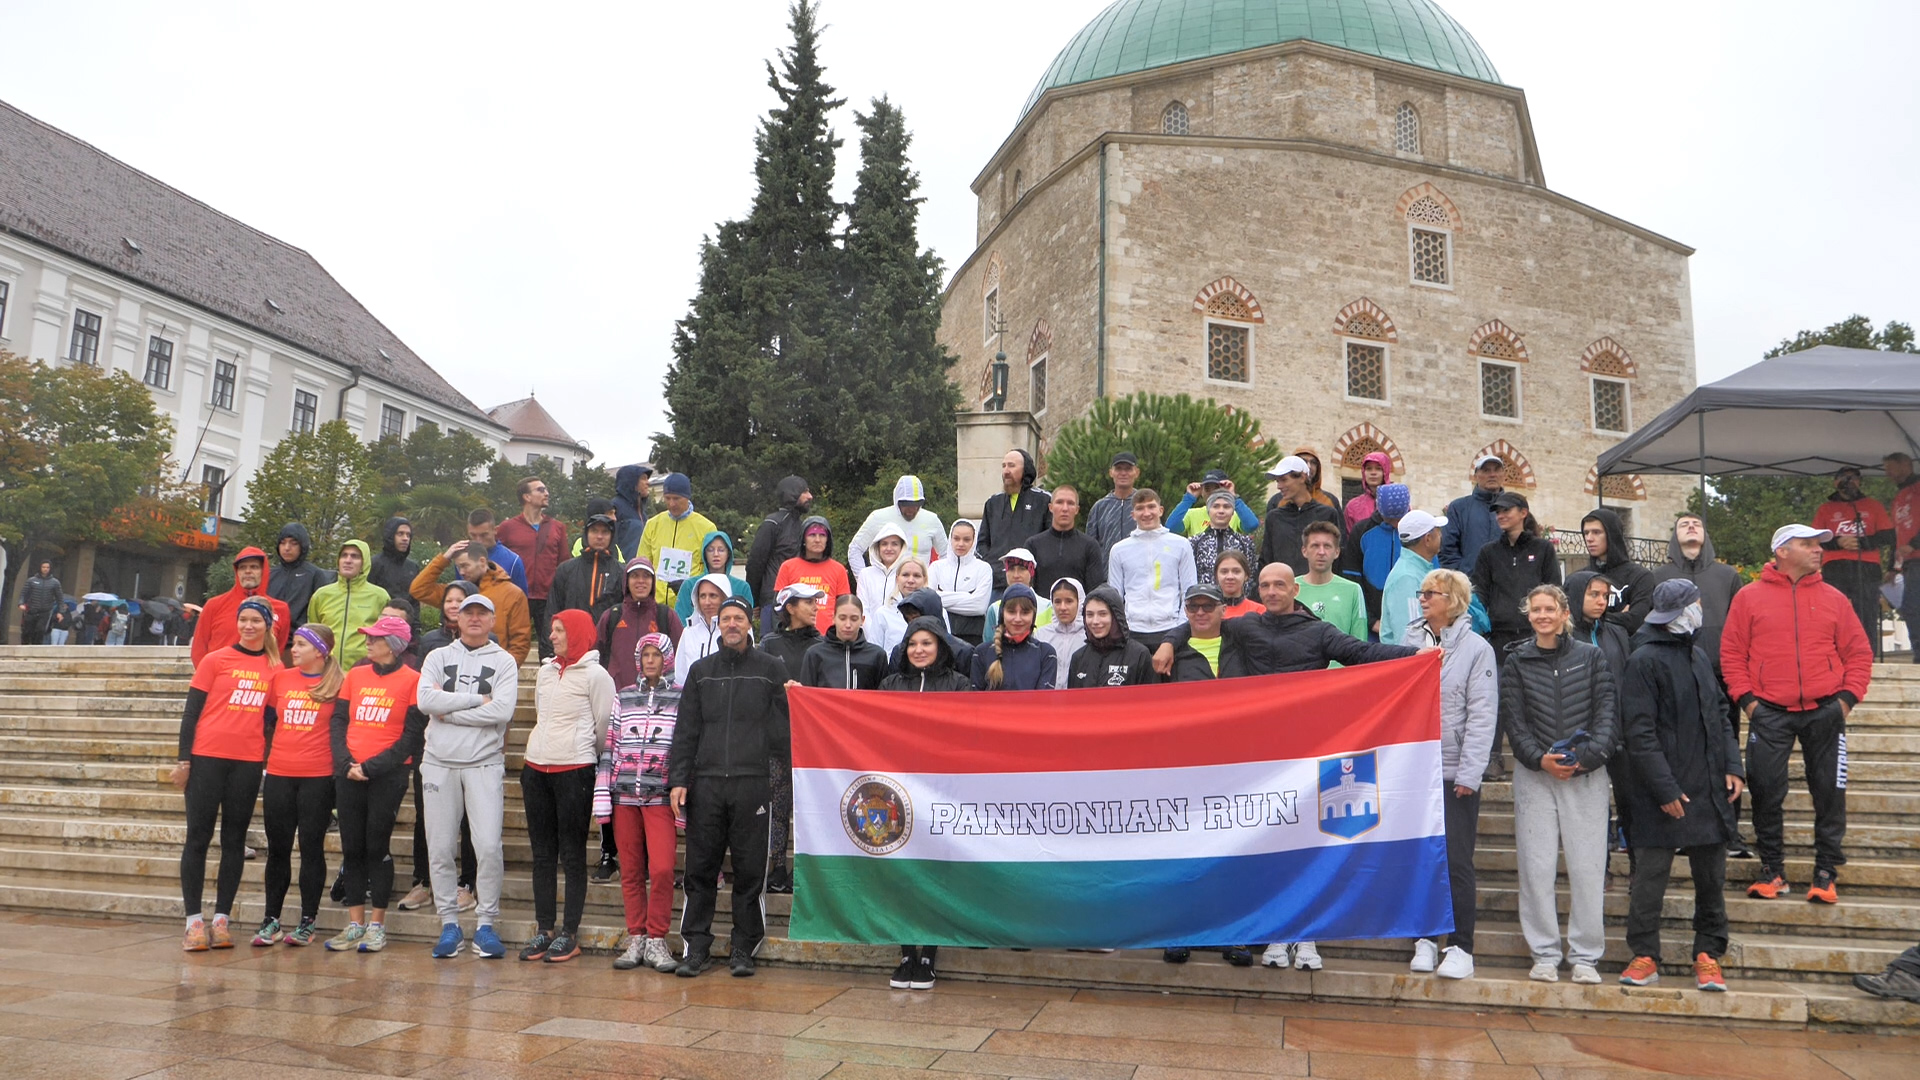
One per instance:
(1331, 213)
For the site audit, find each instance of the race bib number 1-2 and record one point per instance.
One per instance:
(675, 565)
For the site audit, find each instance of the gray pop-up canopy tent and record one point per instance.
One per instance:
(1803, 414)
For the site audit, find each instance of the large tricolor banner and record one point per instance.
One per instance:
(1280, 808)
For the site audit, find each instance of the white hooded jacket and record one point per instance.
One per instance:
(874, 583)
(571, 711)
(926, 538)
(964, 582)
(1066, 638)
(701, 636)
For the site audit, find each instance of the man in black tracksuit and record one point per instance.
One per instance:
(590, 581)
(1632, 583)
(1062, 551)
(1019, 511)
(294, 580)
(732, 722)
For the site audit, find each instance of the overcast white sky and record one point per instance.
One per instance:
(520, 191)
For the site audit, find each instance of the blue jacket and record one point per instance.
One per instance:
(1399, 602)
(1470, 527)
(1029, 665)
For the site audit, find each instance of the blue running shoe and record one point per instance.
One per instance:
(486, 943)
(450, 941)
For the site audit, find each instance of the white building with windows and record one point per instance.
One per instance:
(1332, 214)
(241, 337)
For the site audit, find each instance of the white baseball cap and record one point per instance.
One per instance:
(1020, 555)
(1291, 463)
(1794, 532)
(1418, 523)
(1481, 461)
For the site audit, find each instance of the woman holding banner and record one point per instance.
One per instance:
(1556, 704)
(926, 666)
(1469, 713)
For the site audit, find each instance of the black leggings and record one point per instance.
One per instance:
(222, 790)
(558, 806)
(367, 811)
(422, 865)
(303, 805)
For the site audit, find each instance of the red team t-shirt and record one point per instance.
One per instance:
(302, 739)
(232, 724)
(1860, 518)
(377, 708)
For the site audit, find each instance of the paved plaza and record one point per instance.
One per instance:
(97, 1000)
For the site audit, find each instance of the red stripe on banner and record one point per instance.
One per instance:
(1312, 714)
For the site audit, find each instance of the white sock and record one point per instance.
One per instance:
(195, 920)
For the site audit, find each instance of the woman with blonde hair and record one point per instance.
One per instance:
(1469, 713)
(297, 799)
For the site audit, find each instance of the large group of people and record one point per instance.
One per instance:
(661, 697)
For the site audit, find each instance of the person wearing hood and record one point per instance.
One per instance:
(470, 561)
(1375, 469)
(573, 702)
(1294, 508)
(843, 659)
(889, 625)
(1469, 717)
(778, 539)
(1063, 626)
(1687, 777)
(1110, 657)
(926, 665)
(965, 583)
(216, 629)
(349, 603)
(295, 580)
(702, 634)
(1607, 553)
(1219, 532)
(631, 486)
(1151, 571)
(1370, 551)
(1471, 524)
(590, 581)
(1194, 513)
(1587, 597)
(1506, 570)
(1861, 529)
(1013, 659)
(925, 602)
(925, 538)
(1060, 550)
(394, 568)
(874, 581)
(630, 795)
(716, 557)
(610, 510)
(638, 615)
(816, 566)
(1017, 512)
(671, 540)
(1421, 535)
(1315, 490)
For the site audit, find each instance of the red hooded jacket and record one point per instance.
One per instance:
(1794, 644)
(217, 628)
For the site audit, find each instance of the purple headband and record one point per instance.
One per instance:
(314, 640)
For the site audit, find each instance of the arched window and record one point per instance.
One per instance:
(1406, 128)
(1432, 221)
(990, 301)
(1173, 121)
(1231, 313)
(1366, 336)
(1609, 370)
(1500, 352)
(1039, 345)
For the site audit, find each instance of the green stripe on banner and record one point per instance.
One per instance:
(858, 899)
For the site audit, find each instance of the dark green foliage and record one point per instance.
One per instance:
(429, 477)
(322, 479)
(1176, 438)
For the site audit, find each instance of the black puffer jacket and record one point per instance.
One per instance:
(392, 569)
(1679, 742)
(845, 665)
(1297, 641)
(1546, 696)
(1116, 660)
(940, 676)
(733, 718)
(591, 581)
(779, 538)
(791, 645)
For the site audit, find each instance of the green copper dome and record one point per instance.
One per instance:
(1135, 35)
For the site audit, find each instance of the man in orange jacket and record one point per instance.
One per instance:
(216, 628)
(514, 628)
(1796, 661)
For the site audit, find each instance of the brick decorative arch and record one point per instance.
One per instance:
(1608, 357)
(1497, 341)
(1620, 487)
(1519, 469)
(1228, 299)
(1350, 449)
(1364, 319)
(1427, 191)
(1040, 341)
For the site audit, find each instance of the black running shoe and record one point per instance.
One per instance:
(537, 946)
(695, 963)
(1175, 956)
(1238, 955)
(607, 869)
(903, 975)
(923, 974)
(741, 964)
(779, 879)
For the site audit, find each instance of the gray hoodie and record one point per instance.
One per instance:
(1717, 583)
(1066, 638)
(464, 729)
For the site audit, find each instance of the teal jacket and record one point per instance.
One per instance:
(684, 606)
(1399, 599)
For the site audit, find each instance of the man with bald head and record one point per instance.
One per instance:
(1287, 637)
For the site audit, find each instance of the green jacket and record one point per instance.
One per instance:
(347, 605)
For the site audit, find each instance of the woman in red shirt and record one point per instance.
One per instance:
(298, 799)
(223, 744)
(377, 732)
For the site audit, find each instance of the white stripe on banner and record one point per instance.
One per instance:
(1201, 812)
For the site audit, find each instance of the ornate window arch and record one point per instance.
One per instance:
(1039, 346)
(1230, 312)
(1174, 119)
(1360, 440)
(990, 300)
(1406, 128)
(1432, 220)
(1367, 335)
(1498, 352)
(1519, 469)
(1610, 370)
(1621, 487)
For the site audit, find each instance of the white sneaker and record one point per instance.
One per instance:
(1306, 956)
(635, 954)
(1425, 956)
(1457, 963)
(1275, 956)
(1586, 974)
(657, 955)
(1545, 971)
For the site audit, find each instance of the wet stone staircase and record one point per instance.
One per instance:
(89, 825)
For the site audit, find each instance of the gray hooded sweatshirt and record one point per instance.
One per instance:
(464, 730)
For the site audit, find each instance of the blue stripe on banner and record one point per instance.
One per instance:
(1387, 889)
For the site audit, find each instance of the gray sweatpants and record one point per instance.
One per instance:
(1549, 815)
(480, 792)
